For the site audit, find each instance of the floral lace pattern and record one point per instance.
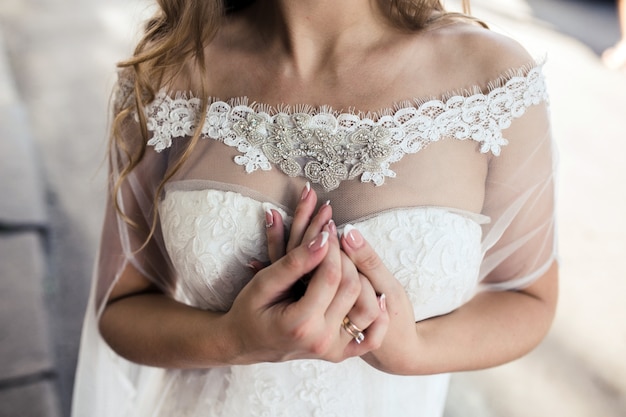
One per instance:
(198, 228)
(327, 148)
(211, 235)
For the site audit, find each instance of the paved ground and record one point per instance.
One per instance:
(56, 68)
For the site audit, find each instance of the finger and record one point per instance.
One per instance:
(366, 308)
(275, 233)
(364, 312)
(366, 260)
(255, 265)
(347, 294)
(302, 216)
(324, 282)
(323, 217)
(370, 315)
(273, 282)
(374, 336)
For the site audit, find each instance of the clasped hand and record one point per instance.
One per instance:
(344, 278)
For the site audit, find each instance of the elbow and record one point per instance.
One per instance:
(544, 293)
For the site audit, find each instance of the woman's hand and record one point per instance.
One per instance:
(306, 224)
(273, 328)
(401, 339)
(490, 329)
(365, 311)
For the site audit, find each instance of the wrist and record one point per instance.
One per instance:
(226, 339)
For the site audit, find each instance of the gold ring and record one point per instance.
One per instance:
(352, 330)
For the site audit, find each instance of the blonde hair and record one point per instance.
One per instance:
(180, 30)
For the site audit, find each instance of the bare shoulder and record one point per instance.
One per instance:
(483, 54)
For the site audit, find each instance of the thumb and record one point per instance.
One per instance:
(365, 258)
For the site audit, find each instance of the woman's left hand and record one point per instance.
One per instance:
(401, 343)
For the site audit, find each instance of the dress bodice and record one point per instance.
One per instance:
(211, 235)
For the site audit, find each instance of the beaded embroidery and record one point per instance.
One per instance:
(328, 147)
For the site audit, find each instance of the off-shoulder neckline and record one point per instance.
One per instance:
(507, 78)
(241, 191)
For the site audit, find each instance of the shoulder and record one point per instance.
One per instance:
(482, 54)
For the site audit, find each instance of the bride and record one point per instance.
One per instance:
(318, 208)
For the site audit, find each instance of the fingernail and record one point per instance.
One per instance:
(353, 237)
(269, 218)
(319, 242)
(306, 190)
(325, 206)
(254, 265)
(332, 227)
(382, 302)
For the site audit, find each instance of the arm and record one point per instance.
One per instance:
(145, 326)
(491, 329)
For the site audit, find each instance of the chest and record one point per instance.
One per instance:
(212, 234)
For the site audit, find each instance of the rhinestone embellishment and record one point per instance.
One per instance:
(328, 147)
(323, 155)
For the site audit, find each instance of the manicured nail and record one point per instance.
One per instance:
(255, 265)
(325, 206)
(306, 190)
(332, 227)
(269, 218)
(382, 302)
(319, 242)
(353, 237)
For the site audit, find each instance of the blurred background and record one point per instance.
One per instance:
(56, 71)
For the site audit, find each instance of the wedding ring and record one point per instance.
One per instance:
(352, 330)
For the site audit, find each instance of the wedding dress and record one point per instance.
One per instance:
(455, 193)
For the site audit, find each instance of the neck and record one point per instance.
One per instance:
(312, 33)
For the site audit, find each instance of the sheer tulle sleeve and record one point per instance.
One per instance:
(105, 383)
(126, 237)
(519, 242)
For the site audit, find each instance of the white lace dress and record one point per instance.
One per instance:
(397, 177)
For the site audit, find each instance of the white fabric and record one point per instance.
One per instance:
(275, 135)
(472, 208)
(211, 235)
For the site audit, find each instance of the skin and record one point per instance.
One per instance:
(491, 329)
(259, 327)
(313, 52)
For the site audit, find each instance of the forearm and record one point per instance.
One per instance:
(491, 329)
(154, 330)
(261, 325)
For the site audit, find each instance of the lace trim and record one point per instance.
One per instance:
(328, 147)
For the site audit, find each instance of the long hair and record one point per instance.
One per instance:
(179, 31)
